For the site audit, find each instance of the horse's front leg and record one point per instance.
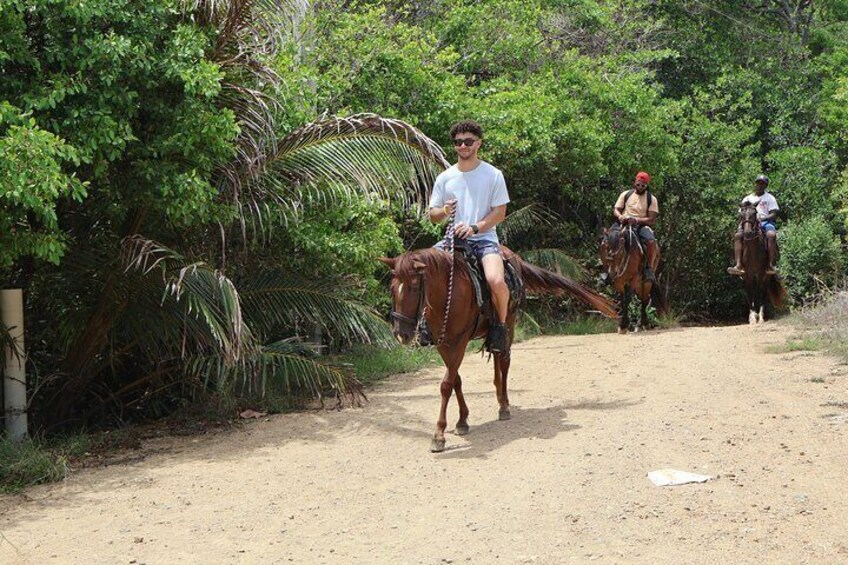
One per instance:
(751, 295)
(452, 359)
(624, 323)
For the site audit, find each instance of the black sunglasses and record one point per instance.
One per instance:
(467, 141)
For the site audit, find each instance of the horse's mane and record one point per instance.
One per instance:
(436, 261)
(615, 236)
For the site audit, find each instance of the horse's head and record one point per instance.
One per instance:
(749, 222)
(407, 295)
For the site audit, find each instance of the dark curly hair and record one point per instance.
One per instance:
(466, 126)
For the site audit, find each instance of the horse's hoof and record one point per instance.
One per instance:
(437, 446)
(503, 414)
(622, 331)
(461, 430)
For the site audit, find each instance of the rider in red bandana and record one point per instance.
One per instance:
(639, 208)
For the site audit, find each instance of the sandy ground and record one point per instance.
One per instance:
(563, 481)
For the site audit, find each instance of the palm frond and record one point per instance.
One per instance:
(556, 260)
(277, 298)
(288, 366)
(525, 220)
(194, 297)
(365, 154)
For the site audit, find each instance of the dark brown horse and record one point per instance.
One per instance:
(622, 255)
(759, 286)
(420, 283)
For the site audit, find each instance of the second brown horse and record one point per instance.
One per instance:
(622, 255)
(420, 282)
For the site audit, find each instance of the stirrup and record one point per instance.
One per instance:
(772, 270)
(497, 341)
(734, 270)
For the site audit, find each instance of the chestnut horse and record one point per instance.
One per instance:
(759, 286)
(420, 282)
(622, 256)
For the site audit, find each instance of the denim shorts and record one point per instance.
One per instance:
(766, 226)
(645, 233)
(481, 247)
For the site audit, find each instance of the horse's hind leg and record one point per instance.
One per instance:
(462, 424)
(643, 313)
(502, 361)
(762, 307)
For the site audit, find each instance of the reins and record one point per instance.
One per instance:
(624, 265)
(449, 247)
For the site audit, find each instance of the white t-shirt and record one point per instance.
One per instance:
(766, 204)
(476, 192)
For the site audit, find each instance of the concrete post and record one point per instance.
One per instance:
(14, 371)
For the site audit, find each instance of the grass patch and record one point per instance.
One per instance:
(670, 319)
(807, 343)
(823, 325)
(372, 364)
(30, 462)
(817, 379)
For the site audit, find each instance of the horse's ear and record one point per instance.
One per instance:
(419, 266)
(390, 262)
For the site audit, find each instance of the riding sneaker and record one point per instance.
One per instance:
(648, 275)
(735, 270)
(498, 339)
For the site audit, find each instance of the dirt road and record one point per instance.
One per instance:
(564, 481)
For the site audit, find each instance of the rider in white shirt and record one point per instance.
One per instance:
(767, 215)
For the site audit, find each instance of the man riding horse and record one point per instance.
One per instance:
(637, 207)
(767, 209)
(474, 194)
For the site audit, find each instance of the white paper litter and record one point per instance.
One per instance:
(671, 477)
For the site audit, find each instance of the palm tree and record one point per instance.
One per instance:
(162, 312)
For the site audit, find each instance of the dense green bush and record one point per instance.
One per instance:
(810, 256)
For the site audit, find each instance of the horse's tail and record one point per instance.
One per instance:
(541, 281)
(777, 293)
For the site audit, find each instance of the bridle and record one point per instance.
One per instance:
(753, 233)
(630, 233)
(411, 323)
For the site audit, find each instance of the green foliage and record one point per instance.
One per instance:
(801, 179)
(810, 256)
(28, 463)
(32, 183)
(177, 229)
